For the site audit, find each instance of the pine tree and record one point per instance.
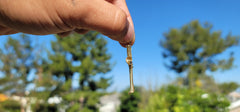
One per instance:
(193, 49)
(19, 58)
(77, 54)
(86, 55)
(16, 63)
(130, 102)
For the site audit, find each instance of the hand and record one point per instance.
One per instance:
(42, 17)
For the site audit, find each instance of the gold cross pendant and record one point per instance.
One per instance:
(130, 65)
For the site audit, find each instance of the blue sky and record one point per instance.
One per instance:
(154, 17)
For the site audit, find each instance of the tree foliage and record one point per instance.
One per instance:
(16, 62)
(10, 106)
(177, 99)
(226, 88)
(194, 49)
(52, 71)
(130, 102)
(85, 55)
(20, 60)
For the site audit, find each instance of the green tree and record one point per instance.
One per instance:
(194, 48)
(43, 82)
(85, 55)
(19, 58)
(130, 102)
(179, 99)
(226, 88)
(16, 63)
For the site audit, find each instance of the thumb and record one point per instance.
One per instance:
(130, 35)
(104, 17)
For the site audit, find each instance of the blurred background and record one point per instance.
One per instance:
(186, 59)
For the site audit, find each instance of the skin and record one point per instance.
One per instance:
(42, 17)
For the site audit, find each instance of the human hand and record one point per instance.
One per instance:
(42, 17)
